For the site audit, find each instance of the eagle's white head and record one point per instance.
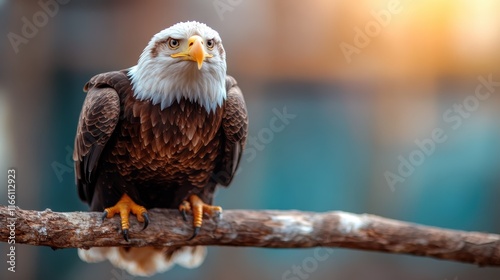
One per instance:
(186, 60)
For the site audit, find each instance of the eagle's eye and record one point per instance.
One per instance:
(210, 44)
(173, 43)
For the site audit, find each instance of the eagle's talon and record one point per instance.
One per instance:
(184, 208)
(195, 233)
(195, 205)
(125, 235)
(184, 215)
(104, 215)
(146, 220)
(124, 207)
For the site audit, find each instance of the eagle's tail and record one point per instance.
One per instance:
(146, 261)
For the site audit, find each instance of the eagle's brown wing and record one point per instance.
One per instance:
(98, 119)
(235, 128)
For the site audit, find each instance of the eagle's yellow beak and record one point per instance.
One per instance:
(195, 51)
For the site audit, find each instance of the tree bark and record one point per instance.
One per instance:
(247, 228)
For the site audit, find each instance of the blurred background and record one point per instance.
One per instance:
(365, 86)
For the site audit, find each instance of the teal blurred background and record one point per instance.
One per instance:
(364, 81)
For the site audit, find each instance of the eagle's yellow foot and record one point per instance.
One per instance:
(195, 205)
(124, 207)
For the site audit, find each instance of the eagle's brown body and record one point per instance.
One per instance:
(158, 157)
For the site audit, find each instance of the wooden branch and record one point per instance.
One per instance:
(271, 229)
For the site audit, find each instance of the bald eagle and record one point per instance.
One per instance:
(162, 134)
